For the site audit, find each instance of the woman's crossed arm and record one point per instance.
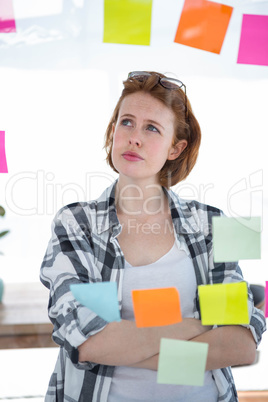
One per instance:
(122, 343)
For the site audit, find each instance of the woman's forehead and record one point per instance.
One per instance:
(145, 104)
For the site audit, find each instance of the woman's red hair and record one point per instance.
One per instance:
(186, 127)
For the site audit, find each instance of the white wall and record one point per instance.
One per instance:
(58, 86)
(56, 100)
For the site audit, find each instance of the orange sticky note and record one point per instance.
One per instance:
(156, 307)
(203, 25)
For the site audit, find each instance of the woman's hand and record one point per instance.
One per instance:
(229, 345)
(195, 325)
(149, 364)
(187, 329)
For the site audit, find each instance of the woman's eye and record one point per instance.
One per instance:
(126, 122)
(152, 128)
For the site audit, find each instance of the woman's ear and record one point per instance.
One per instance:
(177, 149)
(113, 129)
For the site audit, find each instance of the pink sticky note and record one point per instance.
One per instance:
(253, 47)
(3, 161)
(266, 300)
(7, 19)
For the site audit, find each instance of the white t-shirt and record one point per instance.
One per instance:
(174, 269)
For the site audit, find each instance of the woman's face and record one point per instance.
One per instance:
(143, 137)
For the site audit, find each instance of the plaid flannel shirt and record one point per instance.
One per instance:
(84, 248)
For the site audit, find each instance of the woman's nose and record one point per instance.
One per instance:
(135, 139)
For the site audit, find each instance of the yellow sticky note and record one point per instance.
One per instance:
(127, 21)
(224, 304)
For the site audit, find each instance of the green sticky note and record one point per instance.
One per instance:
(236, 238)
(224, 303)
(182, 362)
(127, 21)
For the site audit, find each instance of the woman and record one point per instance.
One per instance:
(142, 235)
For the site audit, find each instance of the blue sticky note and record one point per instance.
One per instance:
(100, 297)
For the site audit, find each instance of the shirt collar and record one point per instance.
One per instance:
(185, 220)
(106, 212)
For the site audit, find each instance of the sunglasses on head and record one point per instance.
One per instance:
(171, 84)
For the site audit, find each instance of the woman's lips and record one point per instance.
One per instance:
(132, 156)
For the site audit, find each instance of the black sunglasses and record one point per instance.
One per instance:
(171, 84)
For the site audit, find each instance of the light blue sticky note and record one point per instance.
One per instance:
(100, 297)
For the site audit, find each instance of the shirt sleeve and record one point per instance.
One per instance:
(69, 259)
(229, 272)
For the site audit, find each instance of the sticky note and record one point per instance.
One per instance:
(100, 297)
(182, 362)
(266, 299)
(7, 20)
(253, 46)
(3, 161)
(156, 307)
(203, 25)
(236, 238)
(127, 21)
(224, 304)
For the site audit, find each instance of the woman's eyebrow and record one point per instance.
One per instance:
(127, 115)
(155, 122)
